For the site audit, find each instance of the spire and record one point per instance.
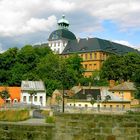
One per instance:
(63, 23)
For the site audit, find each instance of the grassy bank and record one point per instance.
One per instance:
(14, 115)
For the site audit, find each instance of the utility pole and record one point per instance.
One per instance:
(63, 102)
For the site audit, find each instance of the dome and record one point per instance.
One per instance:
(61, 34)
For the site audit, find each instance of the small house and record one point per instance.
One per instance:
(33, 92)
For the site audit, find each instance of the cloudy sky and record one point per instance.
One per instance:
(31, 21)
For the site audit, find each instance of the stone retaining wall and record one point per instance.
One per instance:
(76, 127)
(97, 127)
(25, 132)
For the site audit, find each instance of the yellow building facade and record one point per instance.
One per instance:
(92, 61)
(104, 105)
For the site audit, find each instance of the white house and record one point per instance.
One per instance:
(39, 96)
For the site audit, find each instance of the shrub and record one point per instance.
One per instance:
(50, 119)
(14, 115)
(45, 112)
(133, 112)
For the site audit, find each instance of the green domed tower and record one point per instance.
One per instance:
(59, 38)
(63, 23)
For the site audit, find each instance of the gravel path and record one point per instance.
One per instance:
(31, 121)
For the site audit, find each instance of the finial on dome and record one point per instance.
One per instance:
(63, 16)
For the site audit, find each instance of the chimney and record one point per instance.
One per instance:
(111, 83)
(79, 85)
(122, 81)
(87, 38)
(89, 84)
(78, 39)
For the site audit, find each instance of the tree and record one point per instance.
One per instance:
(131, 63)
(74, 62)
(112, 68)
(4, 94)
(58, 99)
(136, 79)
(48, 69)
(92, 101)
(120, 67)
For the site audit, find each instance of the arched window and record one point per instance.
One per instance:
(15, 100)
(108, 97)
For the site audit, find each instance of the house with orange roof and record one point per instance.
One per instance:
(15, 94)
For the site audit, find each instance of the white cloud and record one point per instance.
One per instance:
(30, 26)
(18, 17)
(62, 5)
(124, 43)
(124, 12)
(1, 48)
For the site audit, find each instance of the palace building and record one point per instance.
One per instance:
(93, 51)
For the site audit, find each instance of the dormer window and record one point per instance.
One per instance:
(68, 50)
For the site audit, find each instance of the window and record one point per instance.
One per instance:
(58, 43)
(8, 100)
(58, 50)
(117, 106)
(86, 105)
(86, 66)
(79, 104)
(90, 66)
(95, 56)
(30, 98)
(70, 104)
(24, 98)
(41, 99)
(107, 97)
(104, 56)
(81, 55)
(104, 106)
(110, 106)
(86, 56)
(101, 56)
(74, 105)
(35, 98)
(90, 55)
(89, 97)
(15, 101)
(64, 44)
